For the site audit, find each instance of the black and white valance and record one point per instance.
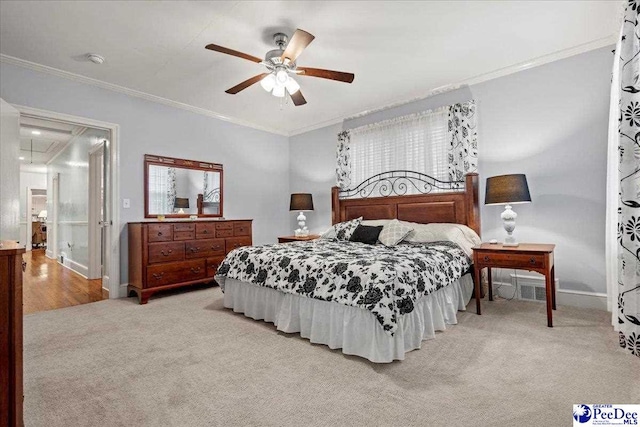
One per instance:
(441, 143)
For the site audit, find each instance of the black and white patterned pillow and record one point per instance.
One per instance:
(344, 230)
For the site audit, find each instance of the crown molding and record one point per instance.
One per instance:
(480, 78)
(135, 93)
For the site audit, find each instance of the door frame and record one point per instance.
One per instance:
(29, 225)
(96, 202)
(112, 189)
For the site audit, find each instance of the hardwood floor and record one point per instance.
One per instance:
(48, 285)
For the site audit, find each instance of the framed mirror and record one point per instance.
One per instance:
(178, 188)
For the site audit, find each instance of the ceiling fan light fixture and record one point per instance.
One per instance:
(292, 85)
(268, 83)
(282, 77)
(278, 91)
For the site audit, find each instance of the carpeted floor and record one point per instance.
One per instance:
(184, 360)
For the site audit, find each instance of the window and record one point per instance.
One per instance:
(417, 142)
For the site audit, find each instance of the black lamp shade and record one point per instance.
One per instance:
(181, 203)
(507, 189)
(301, 202)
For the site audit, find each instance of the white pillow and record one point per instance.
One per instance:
(394, 232)
(460, 234)
(330, 234)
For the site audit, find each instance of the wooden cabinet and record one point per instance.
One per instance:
(11, 395)
(526, 256)
(172, 254)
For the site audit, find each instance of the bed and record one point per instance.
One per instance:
(372, 301)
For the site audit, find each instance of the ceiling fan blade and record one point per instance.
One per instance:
(326, 74)
(297, 98)
(245, 84)
(297, 44)
(232, 52)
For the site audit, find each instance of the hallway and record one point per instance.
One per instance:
(48, 285)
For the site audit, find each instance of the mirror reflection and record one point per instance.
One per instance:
(174, 190)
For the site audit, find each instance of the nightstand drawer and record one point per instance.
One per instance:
(511, 260)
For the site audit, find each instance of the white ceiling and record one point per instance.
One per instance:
(51, 138)
(397, 50)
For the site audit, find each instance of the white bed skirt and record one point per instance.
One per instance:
(354, 330)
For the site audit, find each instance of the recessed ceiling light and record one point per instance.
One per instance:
(35, 132)
(20, 158)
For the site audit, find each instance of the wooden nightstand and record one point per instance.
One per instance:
(526, 256)
(288, 239)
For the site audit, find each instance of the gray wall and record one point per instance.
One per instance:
(549, 122)
(9, 172)
(256, 163)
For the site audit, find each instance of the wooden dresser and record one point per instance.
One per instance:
(172, 254)
(11, 396)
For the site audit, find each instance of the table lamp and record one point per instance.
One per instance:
(43, 215)
(507, 190)
(181, 203)
(301, 202)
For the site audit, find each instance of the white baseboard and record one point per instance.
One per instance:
(82, 270)
(49, 254)
(594, 300)
(122, 291)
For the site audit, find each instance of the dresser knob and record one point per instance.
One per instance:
(205, 231)
(486, 258)
(195, 270)
(194, 249)
(532, 260)
(158, 276)
(159, 233)
(167, 253)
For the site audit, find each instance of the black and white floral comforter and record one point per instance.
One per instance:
(385, 281)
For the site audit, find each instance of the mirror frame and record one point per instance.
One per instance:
(150, 159)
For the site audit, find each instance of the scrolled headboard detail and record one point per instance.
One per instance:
(453, 202)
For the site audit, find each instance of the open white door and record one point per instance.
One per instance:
(96, 211)
(10, 172)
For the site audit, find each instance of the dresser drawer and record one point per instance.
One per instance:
(511, 260)
(204, 248)
(184, 231)
(224, 233)
(213, 264)
(160, 232)
(175, 272)
(184, 227)
(224, 226)
(205, 231)
(242, 229)
(237, 242)
(165, 252)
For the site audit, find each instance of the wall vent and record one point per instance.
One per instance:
(530, 288)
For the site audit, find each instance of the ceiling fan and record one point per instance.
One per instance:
(281, 63)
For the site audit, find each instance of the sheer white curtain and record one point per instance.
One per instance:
(417, 142)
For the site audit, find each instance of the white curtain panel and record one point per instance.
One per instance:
(611, 230)
(628, 87)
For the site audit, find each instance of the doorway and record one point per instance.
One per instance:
(79, 262)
